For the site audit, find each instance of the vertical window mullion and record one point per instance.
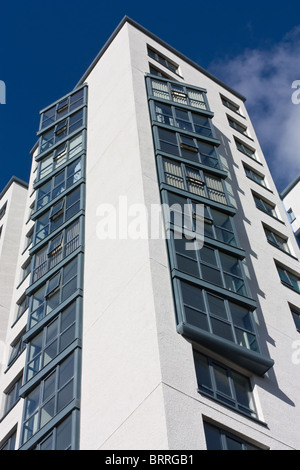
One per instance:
(223, 440)
(183, 169)
(212, 374)
(219, 264)
(229, 316)
(208, 321)
(232, 388)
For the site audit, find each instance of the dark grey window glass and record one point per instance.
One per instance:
(61, 130)
(26, 269)
(218, 439)
(277, 240)
(253, 175)
(224, 384)
(238, 126)
(49, 398)
(168, 141)
(265, 206)
(242, 147)
(3, 211)
(23, 305)
(55, 291)
(59, 213)
(10, 443)
(16, 349)
(52, 340)
(155, 71)
(64, 152)
(211, 265)
(289, 279)
(65, 106)
(291, 215)
(229, 104)
(61, 246)
(185, 120)
(217, 224)
(188, 147)
(221, 317)
(12, 395)
(296, 317)
(162, 60)
(60, 438)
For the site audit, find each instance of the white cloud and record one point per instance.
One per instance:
(265, 77)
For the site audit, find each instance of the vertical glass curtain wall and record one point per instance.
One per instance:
(213, 303)
(51, 387)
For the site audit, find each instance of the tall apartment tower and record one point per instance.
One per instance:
(143, 327)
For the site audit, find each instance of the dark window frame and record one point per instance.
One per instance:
(288, 278)
(223, 323)
(63, 107)
(163, 60)
(49, 342)
(229, 398)
(224, 436)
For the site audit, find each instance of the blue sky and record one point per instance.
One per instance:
(45, 47)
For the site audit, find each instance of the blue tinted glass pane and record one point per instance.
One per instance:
(202, 371)
(213, 437)
(64, 434)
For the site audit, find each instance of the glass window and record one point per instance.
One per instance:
(49, 398)
(217, 225)
(63, 107)
(26, 269)
(17, 348)
(162, 60)
(296, 317)
(185, 120)
(291, 215)
(265, 206)
(56, 250)
(57, 215)
(188, 147)
(23, 305)
(60, 438)
(10, 443)
(59, 156)
(168, 141)
(55, 291)
(229, 104)
(224, 384)
(171, 91)
(246, 149)
(254, 176)
(3, 211)
(277, 240)
(221, 317)
(194, 180)
(12, 395)
(211, 265)
(289, 279)
(238, 126)
(61, 130)
(218, 439)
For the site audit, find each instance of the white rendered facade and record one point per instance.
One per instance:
(12, 205)
(136, 347)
